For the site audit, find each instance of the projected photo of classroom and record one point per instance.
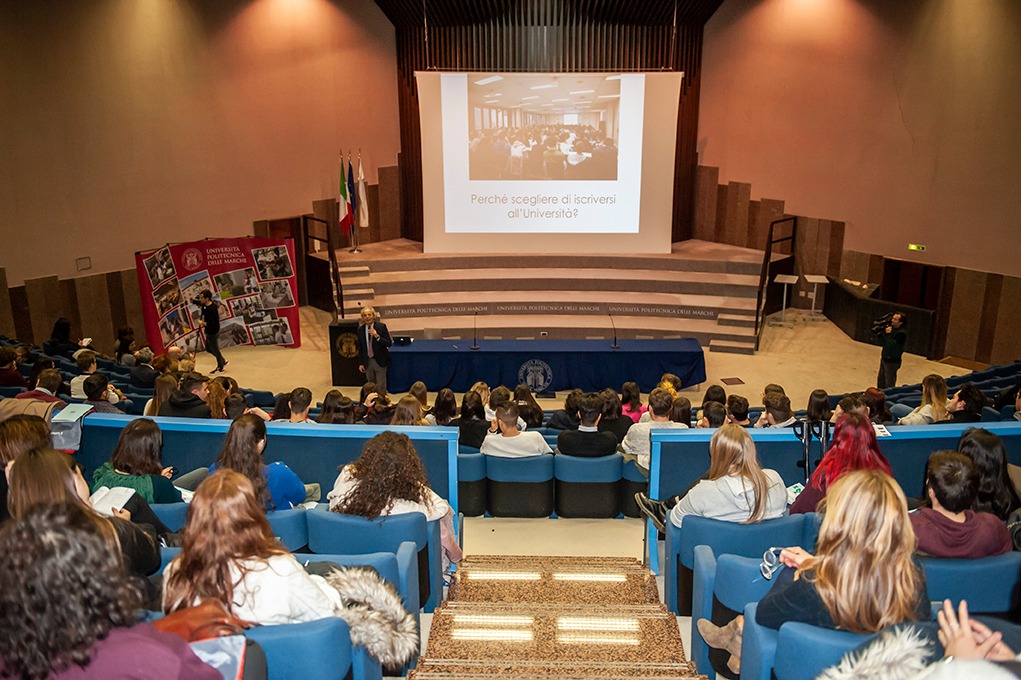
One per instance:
(543, 126)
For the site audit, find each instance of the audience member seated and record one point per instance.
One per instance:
(636, 445)
(862, 578)
(444, 410)
(163, 389)
(408, 412)
(365, 399)
(879, 413)
(853, 402)
(713, 393)
(737, 488)
(60, 343)
(388, 479)
(97, 394)
(472, 424)
(189, 401)
(18, 434)
(46, 388)
(680, 411)
(567, 417)
(950, 528)
(276, 486)
(934, 403)
(483, 391)
(86, 360)
(137, 463)
(671, 383)
(777, 411)
(282, 408)
(631, 401)
(996, 493)
(380, 411)
(419, 391)
(40, 365)
(587, 441)
(506, 441)
(714, 414)
(70, 608)
(966, 405)
(613, 419)
(10, 376)
(235, 405)
(771, 388)
(818, 410)
(163, 364)
(217, 390)
(46, 477)
(854, 447)
(499, 396)
(124, 346)
(299, 404)
(337, 409)
(737, 410)
(143, 374)
(528, 407)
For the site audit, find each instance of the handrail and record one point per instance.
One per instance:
(338, 286)
(767, 257)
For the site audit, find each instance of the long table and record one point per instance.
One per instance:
(544, 364)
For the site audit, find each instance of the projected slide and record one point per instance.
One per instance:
(542, 153)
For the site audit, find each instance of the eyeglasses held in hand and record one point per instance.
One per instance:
(770, 563)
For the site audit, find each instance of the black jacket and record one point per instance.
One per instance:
(144, 375)
(185, 405)
(380, 345)
(586, 444)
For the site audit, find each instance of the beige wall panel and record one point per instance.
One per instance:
(707, 180)
(965, 313)
(93, 295)
(1007, 341)
(736, 222)
(133, 305)
(44, 306)
(389, 203)
(6, 313)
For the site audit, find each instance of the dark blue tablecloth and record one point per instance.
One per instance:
(544, 364)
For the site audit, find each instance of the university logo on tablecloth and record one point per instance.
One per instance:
(535, 373)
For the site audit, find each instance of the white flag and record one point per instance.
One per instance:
(363, 203)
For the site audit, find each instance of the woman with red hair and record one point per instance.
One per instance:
(854, 447)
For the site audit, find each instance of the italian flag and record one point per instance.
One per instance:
(345, 214)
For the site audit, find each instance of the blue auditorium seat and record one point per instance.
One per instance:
(174, 515)
(471, 483)
(587, 487)
(290, 526)
(520, 487)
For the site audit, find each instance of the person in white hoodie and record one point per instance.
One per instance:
(738, 489)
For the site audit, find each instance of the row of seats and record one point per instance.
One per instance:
(541, 486)
(711, 563)
(319, 531)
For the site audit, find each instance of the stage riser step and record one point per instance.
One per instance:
(383, 287)
(732, 347)
(425, 262)
(495, 309)
(514, 333)
(745, 320)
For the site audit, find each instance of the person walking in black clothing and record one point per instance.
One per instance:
(211, 322)
(893, 337)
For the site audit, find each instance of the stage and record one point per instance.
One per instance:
(545, 365)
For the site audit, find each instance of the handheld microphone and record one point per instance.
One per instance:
(475, 331)
(614, 345)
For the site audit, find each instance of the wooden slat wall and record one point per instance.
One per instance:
(549, 36)
(389, 203)
(6, 312)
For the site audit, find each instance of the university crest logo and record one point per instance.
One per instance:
(537, 374)
(191, 259)
(347, 345)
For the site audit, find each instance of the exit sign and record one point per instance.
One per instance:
(916, 246)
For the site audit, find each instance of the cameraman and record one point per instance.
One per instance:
(893, 336)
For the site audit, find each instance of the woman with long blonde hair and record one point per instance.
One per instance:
(736, 489)
(934, 403)
(861, 579)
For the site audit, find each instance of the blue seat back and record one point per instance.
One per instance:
(316, 649)
(804, 651)
(739, 581)
(332, 532)
(471, 467)
(988, 584)
(174, 515)
(732, 538)
(580, 469)
(530, 469)
(290, 526)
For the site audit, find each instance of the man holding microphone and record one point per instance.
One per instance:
(373, 349)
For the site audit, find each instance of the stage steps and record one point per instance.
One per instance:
(701, 290)
(565, 617)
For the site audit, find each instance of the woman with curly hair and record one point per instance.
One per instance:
(337, 409)
(862, 578)
(220, 388)
(854, 447)
(444, 410)
(68, 609)
(45, 477)
(388, 479)
(275, 485)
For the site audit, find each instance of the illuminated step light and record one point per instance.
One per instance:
(502, 576)
(543, 87)
(608, 96)
(492, 101)
(599, 578)
(582, 92)
(596, 623)
(487, 81)
(534, 96)
(493, 619)
(617, 77)
(565, 99)
(596, 640)
(501, 634)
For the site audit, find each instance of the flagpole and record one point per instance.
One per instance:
(354, 228)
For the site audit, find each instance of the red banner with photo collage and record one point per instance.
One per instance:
(252, 279)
